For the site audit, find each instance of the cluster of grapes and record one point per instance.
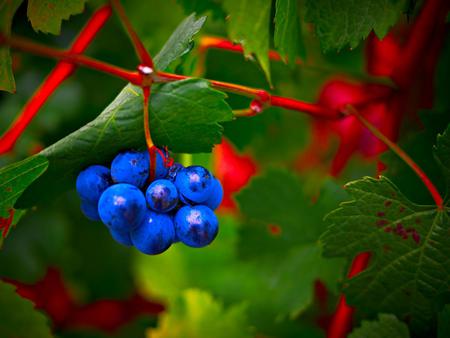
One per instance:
(177, 206)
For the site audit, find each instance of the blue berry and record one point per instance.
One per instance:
(121, 237)
(186, 201)
(196, 226)
(194, 183)
(92, 181)
(155, 234)
(131, 167)
(162, 195)
(122, 207)
(173, 171)
(216, 196)
(89, 209)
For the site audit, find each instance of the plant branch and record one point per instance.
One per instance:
(141, 51)
(29, 46)
(61, 72)
(264, 97)
(400, 153)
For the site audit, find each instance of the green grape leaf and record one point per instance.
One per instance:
(287, 38)
(174, 106)
(196, 314)
(202, 6)
(180, 42)
(387, 326)
(409, 244)
(444, 322)
(278, 198)
(16, 177)
(7, 10)
(291, 260)
(249, 25)
(345, 23)
(47, 15)
(19, 319)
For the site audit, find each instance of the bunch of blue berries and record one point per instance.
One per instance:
(178, 205)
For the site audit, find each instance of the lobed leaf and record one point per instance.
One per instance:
(19, 319)
(249, 25)
(7, 10)
(47, 15)
(345, 23)
(180, 42)
(16, 177)
(287, 37)
(387, 326)
(410, 245)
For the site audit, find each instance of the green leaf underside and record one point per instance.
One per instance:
(345, 23)
(196, 314)
(179, 42)
(249, 25)
(291, 261)
(19, 319)
(47, 15)
(184, 116)
(287, 38)
(16, 177)
(7, 10)
(387, 326)
(409, 268)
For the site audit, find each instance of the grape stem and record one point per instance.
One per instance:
(60, 73)
(350, 110)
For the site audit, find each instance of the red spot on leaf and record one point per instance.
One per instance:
(382, 222)
(416, 237)
(8, 189)
(381, 214)
(387, 204)
(388, 229)
(274, 230)
(401, 209)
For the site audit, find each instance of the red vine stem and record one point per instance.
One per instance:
(261, 95)
(54, 79)
(402, 154)
(136, 78)
(141, 51)
(29, 46)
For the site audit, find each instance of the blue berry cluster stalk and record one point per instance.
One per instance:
(178, 206)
